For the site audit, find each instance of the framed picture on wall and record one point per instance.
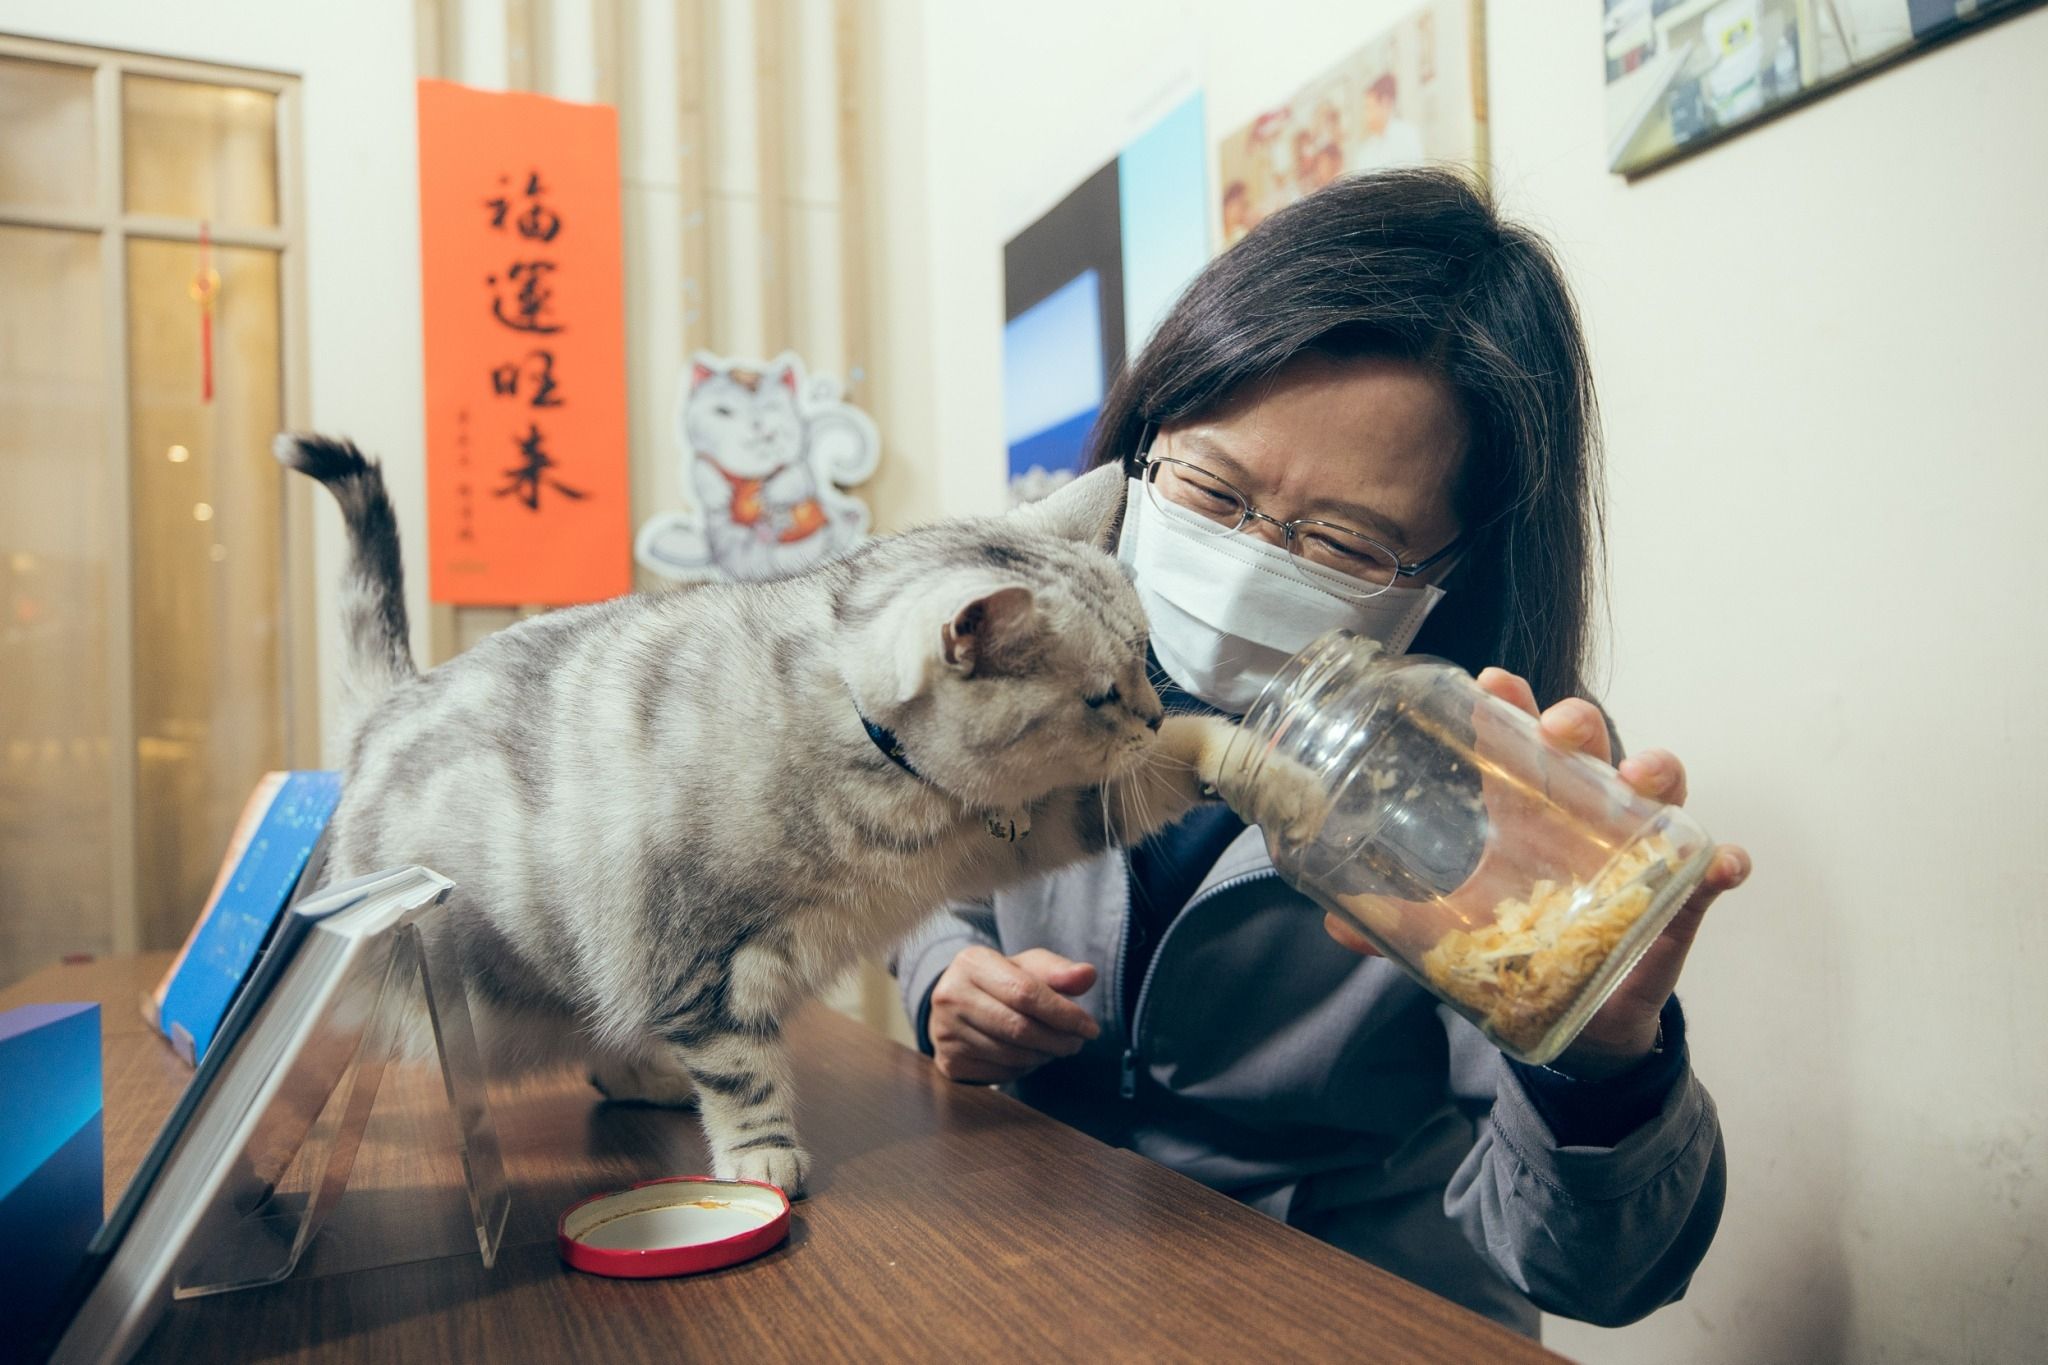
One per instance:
(1684, 74)
(1085, 283)
(1413, 94)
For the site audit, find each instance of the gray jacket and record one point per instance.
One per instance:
(1333, 1092)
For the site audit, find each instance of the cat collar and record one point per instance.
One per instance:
(891, 747)
(1009, 826)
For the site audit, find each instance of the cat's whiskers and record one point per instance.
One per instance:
(1134, 806)
(1154, 774)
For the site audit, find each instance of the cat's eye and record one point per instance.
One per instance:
(723, 410)
(1105, 698)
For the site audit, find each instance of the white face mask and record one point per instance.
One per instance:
(1227, 610)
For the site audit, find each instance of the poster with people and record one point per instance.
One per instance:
(1412, 95)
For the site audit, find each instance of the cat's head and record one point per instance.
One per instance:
(1011, 660)
(744, 417)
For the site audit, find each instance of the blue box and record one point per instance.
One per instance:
(52, 1153)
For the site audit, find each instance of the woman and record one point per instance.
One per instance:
(1373, 412)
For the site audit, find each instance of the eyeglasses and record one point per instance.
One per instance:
(1176, 485)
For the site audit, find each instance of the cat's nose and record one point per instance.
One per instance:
(1144, 702)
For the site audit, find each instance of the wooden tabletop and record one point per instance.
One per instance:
(945, 1222)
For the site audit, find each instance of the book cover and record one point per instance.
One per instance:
(266, 857)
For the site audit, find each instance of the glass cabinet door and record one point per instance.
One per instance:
(206, 511)
(57, 520)
(146, 683)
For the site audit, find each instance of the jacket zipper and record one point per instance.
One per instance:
(1127, 1086)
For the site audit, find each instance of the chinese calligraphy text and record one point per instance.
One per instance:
(525, 330)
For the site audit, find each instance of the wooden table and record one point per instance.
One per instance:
(945, 1223)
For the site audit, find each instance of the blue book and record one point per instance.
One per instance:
(52, 1167)
(267, 857)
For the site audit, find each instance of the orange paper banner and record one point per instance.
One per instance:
(523, 285)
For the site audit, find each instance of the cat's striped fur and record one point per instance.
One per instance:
(667, 822)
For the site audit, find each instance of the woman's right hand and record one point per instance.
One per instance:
(995, 1018)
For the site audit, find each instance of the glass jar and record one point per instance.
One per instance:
(1517, 880)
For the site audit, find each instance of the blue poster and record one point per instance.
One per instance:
(1085, 285)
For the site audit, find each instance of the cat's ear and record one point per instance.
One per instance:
(983, 626)
(968, 637)
(786, 370)
(702, 366)
(1085, 509)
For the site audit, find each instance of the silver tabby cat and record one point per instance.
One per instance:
(673, 818)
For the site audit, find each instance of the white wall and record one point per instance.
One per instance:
(362, 220)
(1818, 347)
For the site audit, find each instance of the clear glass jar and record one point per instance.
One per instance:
(1515, 879)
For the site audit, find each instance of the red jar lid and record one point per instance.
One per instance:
(680, 1225)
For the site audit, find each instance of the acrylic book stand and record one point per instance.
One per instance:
(283, 1209)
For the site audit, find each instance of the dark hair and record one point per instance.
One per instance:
(1417, 264)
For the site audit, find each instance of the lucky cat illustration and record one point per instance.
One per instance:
(764, 453)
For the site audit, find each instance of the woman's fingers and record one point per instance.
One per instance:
(1573, 723)
(1576, 723)
(1620, 1034)
(1509, 687)
(965, 1051)
(1729, 869)
(1007, 982)
(1063, 974)
(1657, 774)
(1349, 937)
(987, 1059)
(995, 1018)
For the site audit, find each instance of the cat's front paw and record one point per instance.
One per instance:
(783, 1167)
(629, 1081)
(1290, 800)
(1199, 742)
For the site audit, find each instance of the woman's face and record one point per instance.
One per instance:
(1374, 444)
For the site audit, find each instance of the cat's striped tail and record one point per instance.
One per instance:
(379, 651)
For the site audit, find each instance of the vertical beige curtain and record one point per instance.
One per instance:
(741, 154)
(743, 142)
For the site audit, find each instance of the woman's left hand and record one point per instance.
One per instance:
(1625, 1029)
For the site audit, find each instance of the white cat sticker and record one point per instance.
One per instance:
(765, 452)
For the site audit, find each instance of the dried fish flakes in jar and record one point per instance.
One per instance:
(1517, 880)
(1521, 974)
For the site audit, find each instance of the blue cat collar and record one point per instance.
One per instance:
(891, 747)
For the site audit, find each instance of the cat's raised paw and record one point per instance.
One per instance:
(1292, 802)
